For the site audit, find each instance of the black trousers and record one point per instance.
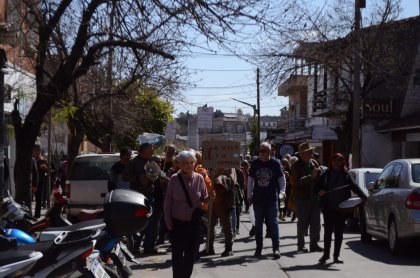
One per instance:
(38, 198)
(334, 222)
(185, 237)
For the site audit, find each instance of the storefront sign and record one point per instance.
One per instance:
(381, 108)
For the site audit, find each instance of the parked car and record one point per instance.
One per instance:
(392, 209)
(362, 177)
(87, 184)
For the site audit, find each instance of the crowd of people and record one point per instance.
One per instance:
(187, 198)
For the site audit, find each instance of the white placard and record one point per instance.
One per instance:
(205, 117)
(170, 132)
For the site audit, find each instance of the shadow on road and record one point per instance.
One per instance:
(378, 251)
(325, 267)
(237, 261)
(152, 264)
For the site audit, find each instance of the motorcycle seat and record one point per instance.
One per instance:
(39, 246)
(98, 223)
(89, 214)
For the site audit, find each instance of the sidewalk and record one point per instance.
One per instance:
(241, 264)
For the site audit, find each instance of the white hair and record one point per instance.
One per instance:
(266, 145)
(184, 155)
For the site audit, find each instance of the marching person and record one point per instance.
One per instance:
(185, 194)
(265, 183)
(304, 175)
(42, 166)
(333, 187)
(136, 175)
(115, 178)
(223, 205)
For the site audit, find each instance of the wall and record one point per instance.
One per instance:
(376, 147)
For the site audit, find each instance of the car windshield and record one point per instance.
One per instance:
(92, 167)
(370, 177)
(415, 172)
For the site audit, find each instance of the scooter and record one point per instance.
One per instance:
(136, 203)
(17, 263)
(63, 256)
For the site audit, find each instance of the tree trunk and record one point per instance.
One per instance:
(75, 139)
(23, 168)
(26, 133)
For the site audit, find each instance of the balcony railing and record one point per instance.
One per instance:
(330, 102)
(292, 124)
(293, 83)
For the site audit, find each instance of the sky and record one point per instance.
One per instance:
(218, 79)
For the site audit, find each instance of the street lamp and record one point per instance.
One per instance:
(256, 113)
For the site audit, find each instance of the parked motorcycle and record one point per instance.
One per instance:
(17, 263)
(125, 212)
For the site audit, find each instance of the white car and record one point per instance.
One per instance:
(87, 183)
(393, 206)
(363, 176)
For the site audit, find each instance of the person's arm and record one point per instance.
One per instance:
(35, 177)
(113, 179)
(205, 197)
(129, 174)
(300, 178)
(281, 181)
(250, 188)
(167, 204)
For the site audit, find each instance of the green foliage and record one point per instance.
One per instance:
(150, 113)
(63, 112)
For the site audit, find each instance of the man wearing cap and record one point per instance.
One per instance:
(304, 175)
(265, 183)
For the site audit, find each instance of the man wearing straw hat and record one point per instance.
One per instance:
(304, 175)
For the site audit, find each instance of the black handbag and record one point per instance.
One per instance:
(197, 212)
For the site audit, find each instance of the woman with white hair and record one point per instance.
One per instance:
(184, 196)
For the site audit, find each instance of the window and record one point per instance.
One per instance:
(415, 172)
(393, 180)
(370, 177)
(384, 175)
(92, 167)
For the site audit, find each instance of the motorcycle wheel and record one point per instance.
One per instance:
(123, 271)
(112, 273)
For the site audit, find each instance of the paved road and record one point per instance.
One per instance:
(360, 260)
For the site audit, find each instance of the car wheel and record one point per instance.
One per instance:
(365, 237)
(394, 242)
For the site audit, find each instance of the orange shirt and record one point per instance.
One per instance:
(203, 171)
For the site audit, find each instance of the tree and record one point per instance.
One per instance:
(322, 37)
(74, 36)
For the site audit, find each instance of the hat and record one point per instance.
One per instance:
(305, 147)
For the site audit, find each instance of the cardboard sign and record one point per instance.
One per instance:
(170, 132)
(221, 154)
(205, 117)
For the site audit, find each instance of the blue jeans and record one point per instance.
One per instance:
(269, 213)
(234, 220)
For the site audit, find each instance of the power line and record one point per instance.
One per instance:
(223, 87)
(224, 70)
(212, 95)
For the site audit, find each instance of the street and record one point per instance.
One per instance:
(360, 260)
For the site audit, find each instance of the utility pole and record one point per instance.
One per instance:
(355, 145)
(258, 106)
(3, 61)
